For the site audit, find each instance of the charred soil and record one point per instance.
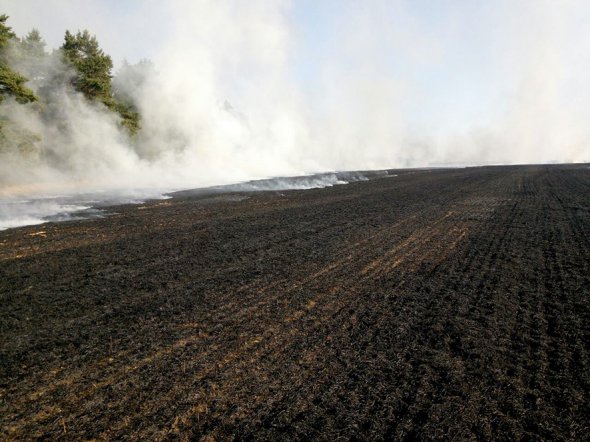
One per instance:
(432, 304)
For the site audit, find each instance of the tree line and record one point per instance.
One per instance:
(30, 75)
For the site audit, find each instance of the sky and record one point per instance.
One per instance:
(450, 74)
(445, 52)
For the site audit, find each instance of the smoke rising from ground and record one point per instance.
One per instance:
(244, 90)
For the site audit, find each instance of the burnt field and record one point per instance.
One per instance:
(432, 304)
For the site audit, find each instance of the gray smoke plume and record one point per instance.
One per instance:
(224, 99)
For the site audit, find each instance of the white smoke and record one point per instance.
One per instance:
(225, 101)
(542, 89)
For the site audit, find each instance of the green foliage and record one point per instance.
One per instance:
(93, 75)
(14, 137)
(130, 118)
(80, 63)
(6, 33)
(28, 56)
(33, 45)
(11, 83)
(92, 65)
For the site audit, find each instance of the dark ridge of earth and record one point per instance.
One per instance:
(441, 304)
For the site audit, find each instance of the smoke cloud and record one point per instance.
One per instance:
(247, 90)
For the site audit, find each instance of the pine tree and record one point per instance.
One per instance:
(13, 137)
(27, 55)
(93, 75)
(92, 65)
(33, 44)
(11, 82)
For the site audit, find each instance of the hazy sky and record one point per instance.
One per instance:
(250, 89)
(453, 66)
